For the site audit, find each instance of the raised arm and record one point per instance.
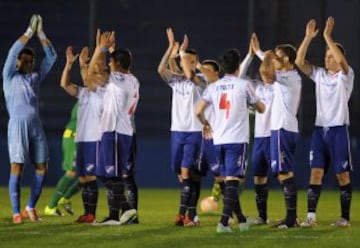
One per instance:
(310, 34)
(335, 51)
(244, 66)
(84, 63)
(163, 71)
(172, 59)
(10, 62)
(65, 82)
(255, 44)
(97, 64)
(50, 53)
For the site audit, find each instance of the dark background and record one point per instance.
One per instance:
(212, 26)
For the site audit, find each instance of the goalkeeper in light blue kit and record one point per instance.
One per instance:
(26, 137)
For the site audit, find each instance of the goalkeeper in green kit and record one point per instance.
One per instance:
(68, 185)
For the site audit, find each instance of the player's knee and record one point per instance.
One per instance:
(16, 169)
(343, 178)
(71, 173)
(316, 176)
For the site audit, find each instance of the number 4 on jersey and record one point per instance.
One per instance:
(225, 104)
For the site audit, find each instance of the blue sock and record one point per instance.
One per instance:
(14, 192)
(36, 189)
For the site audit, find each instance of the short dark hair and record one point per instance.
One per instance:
(230, 61)
(215, 65)
(191, 51)
(289, 50)
(122, 57)
(27, 51)
(341, 48)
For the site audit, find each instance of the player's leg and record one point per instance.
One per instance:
(319, 160)
(340, 154)
(39, 157)
(260, 162)
(14, 191)
(283, 144)
(66, 181)
(190, 156)
(130, 182)
(18, 146)
(176, 159)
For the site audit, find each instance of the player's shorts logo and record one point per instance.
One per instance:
(109, 169)
(345, 164)
(311, 155)
(90, 167)
(273, 164)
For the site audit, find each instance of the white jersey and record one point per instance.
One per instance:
(89, 114)
(332, 95)
(119, 103)
(287, 92)
(263, 120)
(185, 95)
(229, 98)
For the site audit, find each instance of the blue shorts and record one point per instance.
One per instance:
(86, 158)
(27, 141)
(232, 159)
(282, 148)
(260, 159)
(185, 148)
(207, 158)
(129, 169)
(331, 146)
(114, 152)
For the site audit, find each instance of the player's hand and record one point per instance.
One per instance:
(254, 43)
(107, 39)
(70, 57)
(32, 26)
(113, 41)
(170, 36)
(175, 51)
(207, 132)
(330, 22)
(184, 44)
(84, 57)
(311, 30)
(251, 50)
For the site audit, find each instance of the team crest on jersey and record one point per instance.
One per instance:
(109, 169)
(90, 167)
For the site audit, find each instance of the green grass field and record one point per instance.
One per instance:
(157, 210)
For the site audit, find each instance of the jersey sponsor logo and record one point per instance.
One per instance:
(109, 169)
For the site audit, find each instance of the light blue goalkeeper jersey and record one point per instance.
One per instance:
(22, 91)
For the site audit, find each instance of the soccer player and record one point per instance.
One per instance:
(119, 104)
(87, 135)
(229, 98)
(128, 172)
(279, 67)
(260, 158)
(26, 137)
(68, 185)
(330, 142)
(187, 88)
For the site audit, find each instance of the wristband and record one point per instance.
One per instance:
(104, 49)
